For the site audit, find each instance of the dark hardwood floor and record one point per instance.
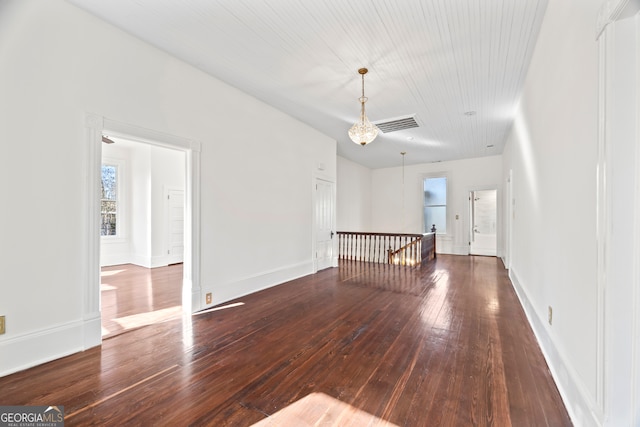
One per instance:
(363, 344)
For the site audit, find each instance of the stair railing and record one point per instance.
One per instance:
(386, 248)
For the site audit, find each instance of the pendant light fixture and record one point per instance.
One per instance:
(363, 131)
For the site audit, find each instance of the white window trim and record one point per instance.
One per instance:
(121, 201)
(448, 205)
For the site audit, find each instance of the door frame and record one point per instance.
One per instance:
(95, 126)
(314, 181)
(610, 320)
(508, 203)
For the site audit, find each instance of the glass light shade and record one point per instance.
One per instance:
(363, 132)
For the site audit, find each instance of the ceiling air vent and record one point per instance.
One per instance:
(399, 123)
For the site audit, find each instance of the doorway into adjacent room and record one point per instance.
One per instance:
(141, 234)
(483, 222)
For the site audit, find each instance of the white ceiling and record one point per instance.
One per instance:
(436, 59)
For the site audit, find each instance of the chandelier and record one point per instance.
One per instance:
(363, 131)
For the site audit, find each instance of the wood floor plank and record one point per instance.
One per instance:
(445, 344)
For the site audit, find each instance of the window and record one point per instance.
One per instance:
(109, 201)
(435, 204)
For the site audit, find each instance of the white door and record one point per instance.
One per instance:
(175, 227)
(483, 207)
(325, 230)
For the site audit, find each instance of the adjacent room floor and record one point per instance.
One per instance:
(134, 296)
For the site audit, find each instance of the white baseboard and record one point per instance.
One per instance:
(28, 350)
(119, 259)
(92, 327)
(453, 250)
(582, 408)
(461, 250)
(141, 260)
(255, 283)
(164, 260)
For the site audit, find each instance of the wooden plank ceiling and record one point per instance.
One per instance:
(458, 66)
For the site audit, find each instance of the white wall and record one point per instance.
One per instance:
(353, 196)
(552, 152)
(390, 216)
(56, 64)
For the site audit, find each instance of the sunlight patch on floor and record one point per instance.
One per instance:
(106, 273)
(143, 319)
(319, 409)
(107, 287)
(223, 307)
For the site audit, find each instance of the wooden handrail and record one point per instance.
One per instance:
(405, 247)
(361, 233)
(386, 248)
(406, 254)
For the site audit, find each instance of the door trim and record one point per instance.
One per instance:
(608, 319)
(95, 126)
(508, 239)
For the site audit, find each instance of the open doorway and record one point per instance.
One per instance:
(141, 234)
(95, 127)
(483, 215)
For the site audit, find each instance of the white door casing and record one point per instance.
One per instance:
(618, 222)
(510, 214)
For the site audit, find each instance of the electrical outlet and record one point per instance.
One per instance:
(208, 298)
(550, 315)
(2, 330)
